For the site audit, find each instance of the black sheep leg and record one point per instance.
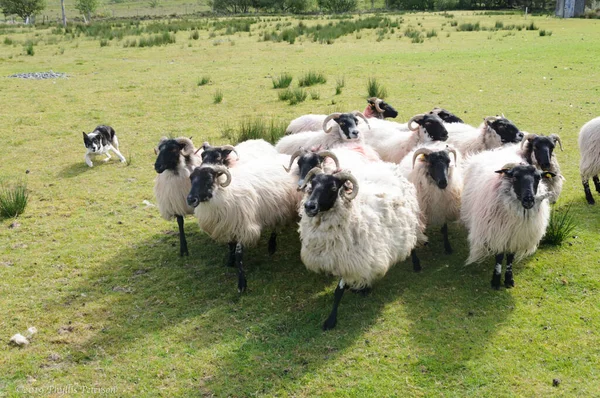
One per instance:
(273, 243)
(596, 183)
(415, 260)
(447, 247)
(497, 275)
(508, 275)
(231, 259)
(183, 250)
(337, 297)
(588, 193)
(239, 251)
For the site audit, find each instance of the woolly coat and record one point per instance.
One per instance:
(360, 240)
(171, 187)
(496, 220)
(313, 122)
(470, 140)
(438, 206)
(393, 144)
(261, 195)
(589, 147)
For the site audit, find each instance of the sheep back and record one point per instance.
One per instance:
(589, 148)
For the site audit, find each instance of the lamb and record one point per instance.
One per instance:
(504, 209)
(538, 150)
(376, 109)
(343, 132)
(175, 162)
(439, 184)
(234, 205)
(358, 235)
(393, 145)
(589, 165)
(492, 133)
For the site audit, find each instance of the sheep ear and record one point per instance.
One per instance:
(508, 172)
(548, 175)
(155, 151)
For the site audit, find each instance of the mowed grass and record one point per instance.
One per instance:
(97, 271)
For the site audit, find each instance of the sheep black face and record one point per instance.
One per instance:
(438, 164)
(525, 180)
(508, 132)
(541, 148)
(307, 162)
(168, 155)
(434, 126)
(385, 110)
(203, 181)
(216, 154)
(446, 116)
(323, 192)
(347, 123)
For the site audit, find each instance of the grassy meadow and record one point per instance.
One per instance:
(96, 270)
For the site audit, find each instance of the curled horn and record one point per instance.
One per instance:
(528, 138)
(452, 151)
(327, 119)
(422, 151)
(376, 101)
(232, 149)
(312, 172)
(294, 156)
(325, 154)
(347, 176)
(204, 147)
(490, 119)
(414, 119)
(556, 138)
(507, 167)
(219, 169)
(360, 115)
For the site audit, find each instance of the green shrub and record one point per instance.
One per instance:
(282, 81)
(375, 89)
(312, 78)
(13, 199)
(561, 225)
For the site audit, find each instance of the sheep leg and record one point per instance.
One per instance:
(183, 250)
(239, 251)
(508, 275)
(415, 260)
(447, 246)
(588, 193)
(272, 243)
(337, 297)
(596, 183)
(231, 259)
(497, 276)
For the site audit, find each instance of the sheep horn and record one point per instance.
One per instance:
(294, 156)
(327, 119)
(421, 151)
(219, 169)
(312, 172)
(360, 114)
(205, 145)
(490, 119)
(232, 149)
(325, 154)
(452, 151)
(556, 138)
(347, 176)
(413, 119)
(528, 137)
(376, 101)
(507, 167)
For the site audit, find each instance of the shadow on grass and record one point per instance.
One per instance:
(79, 168)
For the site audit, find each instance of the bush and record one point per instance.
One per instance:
(282, 81)
(561, 225)
(312, 78)
(375, 89)
(13, 199)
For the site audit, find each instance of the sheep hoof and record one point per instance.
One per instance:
(417, 267)
(509, 281)
(184, 252)
(330, 323)
(496, 282)
(591, 200)
(272, 244)
(242, 285)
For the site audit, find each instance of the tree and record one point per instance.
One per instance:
(86, 7)
(23, 8)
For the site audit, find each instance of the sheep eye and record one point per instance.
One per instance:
(333, 188)
(342, 124)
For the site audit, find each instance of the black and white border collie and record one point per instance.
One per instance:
(100, 141)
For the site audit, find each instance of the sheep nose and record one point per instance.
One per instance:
(520, 136)
(311, 208)
(159, 168)
(354, 134)
(443, 184)
(528, 202)
(192, 200)
(545, 166)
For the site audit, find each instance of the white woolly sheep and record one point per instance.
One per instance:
(393, 144)
(358, 235)
(439, 184)
(504, 208)
(376, 109)
(245, 151)
(492, 133)
(175, 162)
(234, 205)
(589, 148)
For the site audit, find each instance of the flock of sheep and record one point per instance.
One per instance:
(364, 189)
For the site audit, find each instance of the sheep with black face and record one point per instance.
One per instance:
(357, 229)
(175, 161)
(446, 116)
(494, 132)
(504, 208)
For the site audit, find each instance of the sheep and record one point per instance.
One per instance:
(492, 133)
(244, 151)
(175, 162)
(343, 132)
(357, 235)
(439, 184)
(393, 145)
(234, 205)
(376, 109)
(504, 209)
(446, 116)
(538, 150)
(589, 165)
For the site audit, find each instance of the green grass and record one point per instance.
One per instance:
(375, 88)
(253, 129)
(312, 78)
(282, 81)
(218, 96)
(13, 199)
(96, 270)
(203, 81)
(561, 225)
(340, 83)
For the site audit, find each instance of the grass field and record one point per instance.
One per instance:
(97, 271)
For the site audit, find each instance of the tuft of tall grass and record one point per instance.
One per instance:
(315, 95)
(13, 199)
(204, 80)
(340, 83)
(29, 48)
(282, 81)
(195, 35)
(560, 226)
(544, 32)
(298, 95)
(8, 41)
(103, 42)
(375, 89)
(257, 128)
(218, 97)
(312, 78)
(431, 33)
(285, 95)
(469, 27)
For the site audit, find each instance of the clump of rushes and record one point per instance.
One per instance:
(376, 89)
(218, 97)
(13, 199)
(560, 226)
(312, 78)
(282, 81)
